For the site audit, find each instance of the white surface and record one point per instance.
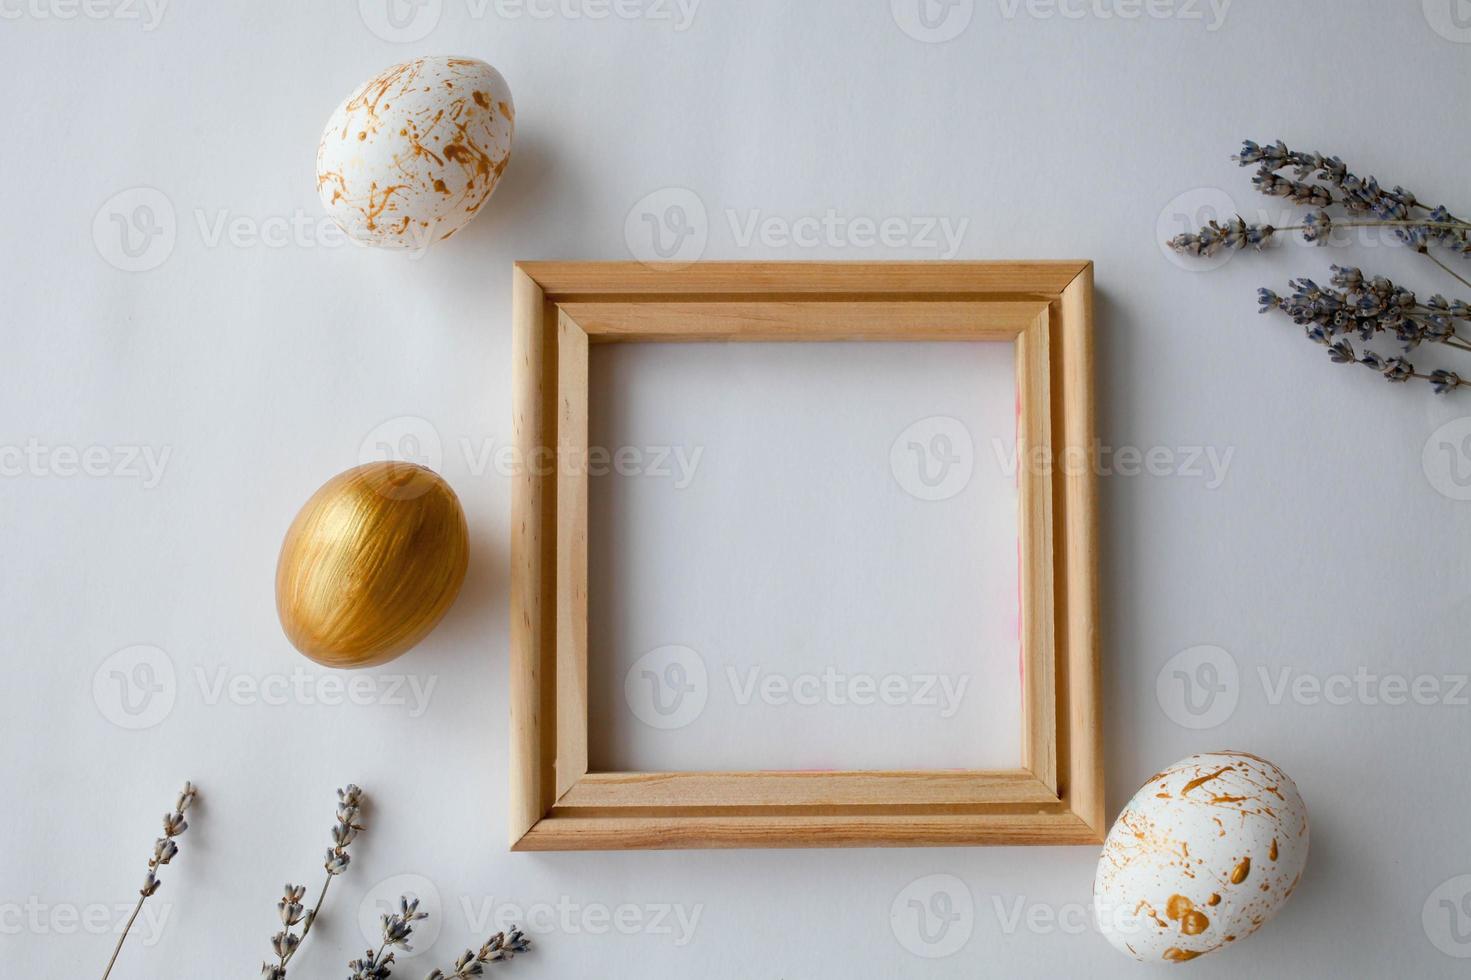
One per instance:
(261, 370)
(835, 607)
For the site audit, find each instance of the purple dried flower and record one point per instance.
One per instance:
(1346, 277)
(1233, 234)
(1359, 196)
(1275, 185)
(1398, 369)
(1351, 304)
(1444, 381)
(1316, 227)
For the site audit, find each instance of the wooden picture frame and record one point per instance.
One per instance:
(1055, 797)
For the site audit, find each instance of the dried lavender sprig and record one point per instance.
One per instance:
(1369, 307)
(286, 942)
(1372, 305)
(1352, 304)
(1233, 234)
(1237, 234)
(1395, 369)
(1419, 235)
(164, 850)
(501, 946)
(1273, 184)
(398, 928)
(1358, 196)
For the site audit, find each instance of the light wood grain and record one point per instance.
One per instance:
(1057, 798)
(1038, 585)
(565, 281)
(562, 833)
(571, 640)
(810, 320)
(533, 580)
(641, 790)
(1079, 600)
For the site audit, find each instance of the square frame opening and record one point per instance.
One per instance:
(1045, 308)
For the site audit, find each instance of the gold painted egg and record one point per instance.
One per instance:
(412, 155)
(371, 564)
(1204, 854)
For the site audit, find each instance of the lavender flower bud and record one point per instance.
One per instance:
(1444, 381)
(1317, 226)
(1397, 369)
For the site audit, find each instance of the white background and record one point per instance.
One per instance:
(1328, 548)
(805, 560)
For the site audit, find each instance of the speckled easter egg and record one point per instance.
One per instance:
(1204, 854)
(413, 154)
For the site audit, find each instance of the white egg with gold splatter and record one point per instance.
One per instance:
(1204, 854)
(414, 153)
